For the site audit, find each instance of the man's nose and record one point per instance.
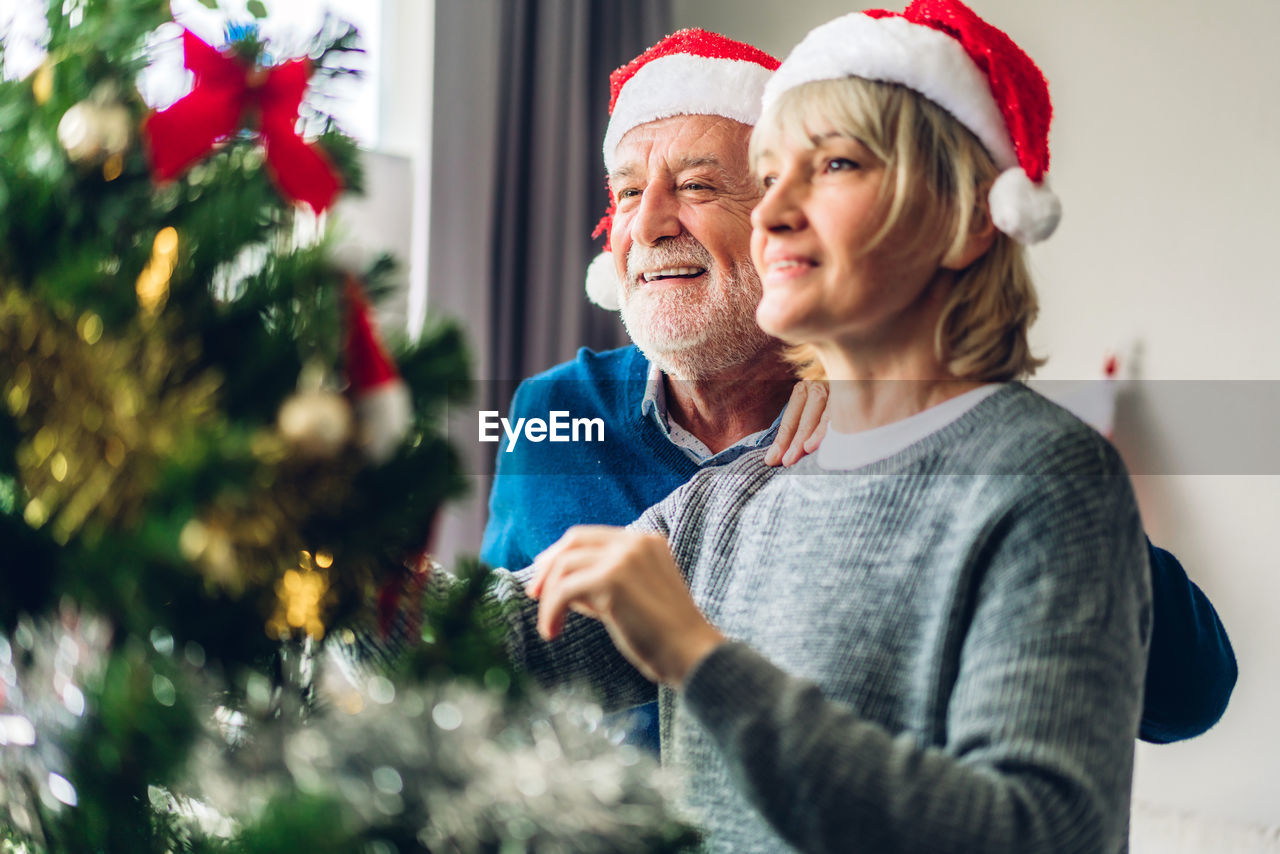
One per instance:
(657, 217)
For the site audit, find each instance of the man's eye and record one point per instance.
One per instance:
(768, 181)
(840, 164)
(628, 193)
(694, 185)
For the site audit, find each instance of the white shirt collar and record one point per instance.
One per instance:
(654, 406)
(845, 451)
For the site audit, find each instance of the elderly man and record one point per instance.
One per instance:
(702, 384)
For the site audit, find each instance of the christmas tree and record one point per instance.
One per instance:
(212, 465)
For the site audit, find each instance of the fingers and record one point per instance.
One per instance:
(630, 582)
(815, 439)
(579, 536)
(566, 571)
(576, 589)
(787, 426)
(811, 419)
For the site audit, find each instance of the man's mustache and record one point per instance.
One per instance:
(682, 251)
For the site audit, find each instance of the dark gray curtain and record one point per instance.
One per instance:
(519, 107)
(553, 81)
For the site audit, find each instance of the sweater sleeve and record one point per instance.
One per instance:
(1192, 668)
(582, 657)
(1041, 716)
(583, 654)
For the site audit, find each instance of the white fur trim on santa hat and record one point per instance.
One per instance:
(895, 50)
(1025, 211)
(383, 417)
(602, 282)
(686, 85)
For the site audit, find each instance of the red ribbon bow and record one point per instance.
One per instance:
(225, 89)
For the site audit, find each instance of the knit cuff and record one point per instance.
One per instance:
(730, 680)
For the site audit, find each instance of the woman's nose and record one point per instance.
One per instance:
(779, 209)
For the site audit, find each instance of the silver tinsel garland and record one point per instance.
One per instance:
(456, 766)
(452, 764)
(45, 667)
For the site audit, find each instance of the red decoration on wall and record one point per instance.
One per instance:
(226, 94)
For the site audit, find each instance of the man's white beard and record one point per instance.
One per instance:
(693, 332)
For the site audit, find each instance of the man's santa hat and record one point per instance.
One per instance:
(688, 73)
(944, 51)
(379, 396)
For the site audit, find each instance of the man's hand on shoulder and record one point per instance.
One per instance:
(804, 423)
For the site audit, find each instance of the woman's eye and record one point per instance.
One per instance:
(768, 181)
(694, 185)
(840, 164)
(628, 193)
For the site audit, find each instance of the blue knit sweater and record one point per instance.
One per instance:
(544, 488)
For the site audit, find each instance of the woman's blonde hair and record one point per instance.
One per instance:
(936, 177)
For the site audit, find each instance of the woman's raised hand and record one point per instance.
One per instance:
(629, 581)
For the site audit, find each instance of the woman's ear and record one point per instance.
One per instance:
(982, 233)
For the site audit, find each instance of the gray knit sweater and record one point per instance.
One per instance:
(940, 652)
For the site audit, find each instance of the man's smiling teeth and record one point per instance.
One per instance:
(672, 272)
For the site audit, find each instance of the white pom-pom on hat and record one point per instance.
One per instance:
(603, 284)
(1025, 211)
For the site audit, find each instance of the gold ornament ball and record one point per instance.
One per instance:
(42, 82)
(316, 423)
(92, 132)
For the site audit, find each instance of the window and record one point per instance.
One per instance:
(22, 27)
(288, 26)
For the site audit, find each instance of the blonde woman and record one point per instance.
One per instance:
(930, 636)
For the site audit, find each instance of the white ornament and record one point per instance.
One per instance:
(92, 132)
(316, 423)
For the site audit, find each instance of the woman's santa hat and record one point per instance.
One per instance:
(688, 73)
(379, 396)
(944, 51)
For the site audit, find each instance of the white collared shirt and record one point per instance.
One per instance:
(654, 406)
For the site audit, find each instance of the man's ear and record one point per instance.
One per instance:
(982, 233)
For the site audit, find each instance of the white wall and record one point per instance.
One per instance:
(407, 51)
(1165, 146)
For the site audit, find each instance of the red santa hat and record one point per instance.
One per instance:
(944, 51)
(379, 396)
(688, 73)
